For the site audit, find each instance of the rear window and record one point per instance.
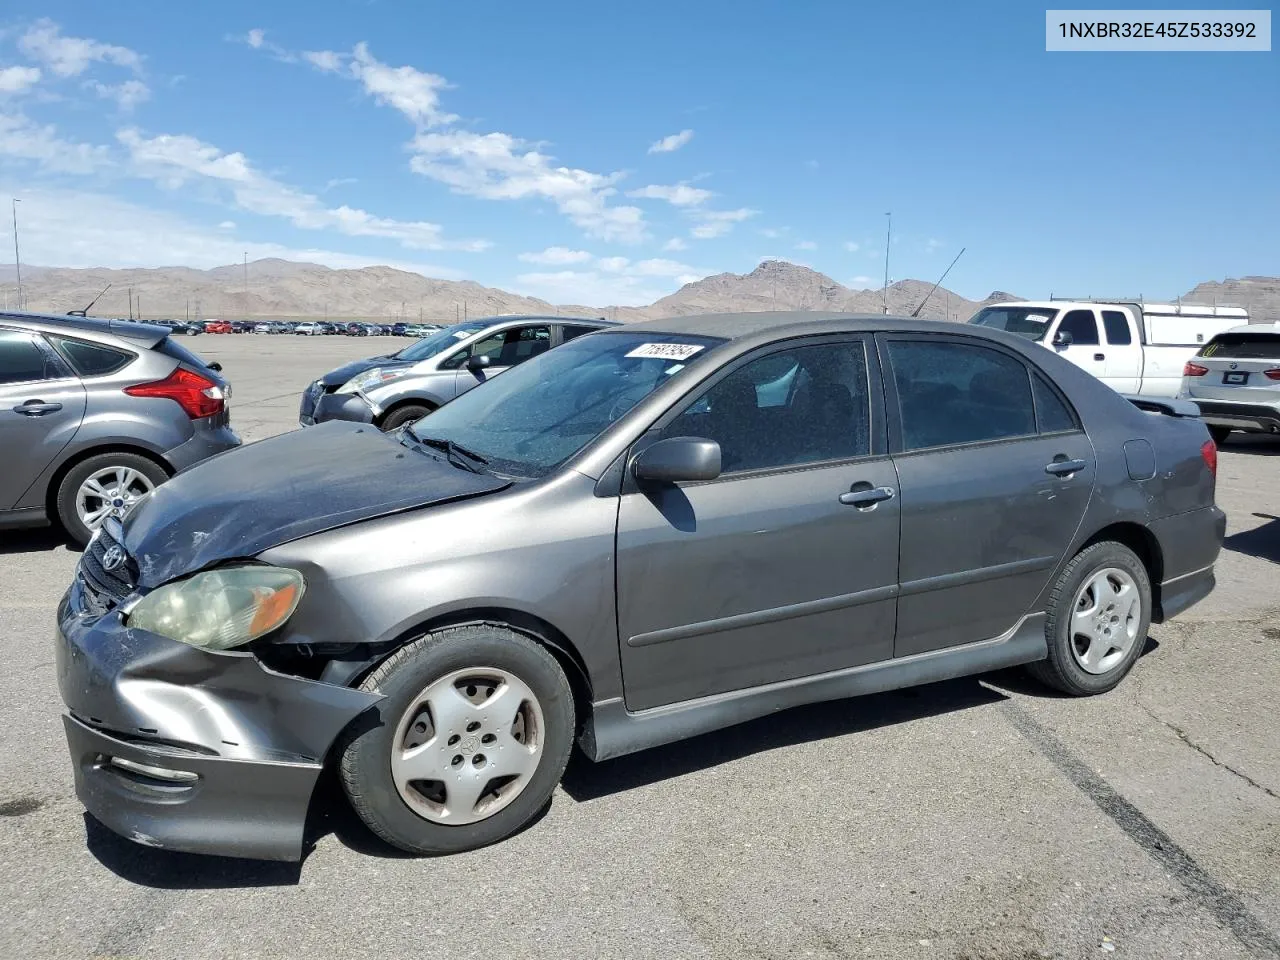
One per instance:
(92, 359)
(1243, 346)
(171, 348)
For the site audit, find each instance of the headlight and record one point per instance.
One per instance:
(221, 609)
(370, 378)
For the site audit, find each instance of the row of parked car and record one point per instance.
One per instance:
(355, 328)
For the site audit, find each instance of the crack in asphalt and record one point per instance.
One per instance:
(1221, 903)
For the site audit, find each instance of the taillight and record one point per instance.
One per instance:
(1209, 451)
(1194, 370)
(198, 396)
(1272, 374)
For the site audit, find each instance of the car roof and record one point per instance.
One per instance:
(1261, 329)
(779, 324)
(146, 334)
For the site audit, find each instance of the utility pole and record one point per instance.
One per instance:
(188, 309)
(464, 310)
(131, 303)
(246, 284)
(17, 259)
(888, 234)
(455, 312)
(139, 306)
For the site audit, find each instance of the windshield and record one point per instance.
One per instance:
(1029, 322)
(442, 339)
(532, 418)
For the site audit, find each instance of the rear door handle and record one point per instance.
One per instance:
(1099, 356)
(34, 408)
(866, 496)
(1064, 468)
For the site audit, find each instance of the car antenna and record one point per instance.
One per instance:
(81, 313)
(917, 310)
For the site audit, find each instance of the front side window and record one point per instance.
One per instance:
(442, 340)
(505, 348)
(1082, 325)
(23, 360)
(91, 359)
(799, 406)
(951, 393)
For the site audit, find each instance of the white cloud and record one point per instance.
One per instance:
(227, 225)
(771, 232)
(173, 161)
(675, 243)
(255, 37)
(673, 142)
(71, 56)
(497, 166)
(612, 264)
(127, 95)
(17, 79)
(716, 223)
(806, 245)
(851, 246)
(555, 256)
(77, 229)
(414, 93)
(21, 139)
(615, 280)
(931, 245)
(338, 182)
(678, 195)
(862, 283)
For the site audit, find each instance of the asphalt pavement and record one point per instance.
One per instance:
(982, 818)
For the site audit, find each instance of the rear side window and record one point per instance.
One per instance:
(92, 359)
(1052, 413)
(1082, 325)
(23, 359)
(571, 331)
(951, 393)
(1117, 325)
(1243, 346)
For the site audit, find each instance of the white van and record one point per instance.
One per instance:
(1133, 347)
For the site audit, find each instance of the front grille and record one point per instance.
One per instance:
(109, 587)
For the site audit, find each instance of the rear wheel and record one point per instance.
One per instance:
(1098, 618)
(471, 738)
(402, 415)
(1219, 435)
(104, 485)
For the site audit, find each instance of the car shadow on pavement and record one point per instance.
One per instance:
(585, 780)
(167, 870)
(40, 540)
(1262, 542)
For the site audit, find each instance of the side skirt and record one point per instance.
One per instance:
(25, 517)
(613, 731)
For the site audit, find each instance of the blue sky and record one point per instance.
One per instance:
(605, 153)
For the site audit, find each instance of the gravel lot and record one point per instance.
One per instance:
(979, 818)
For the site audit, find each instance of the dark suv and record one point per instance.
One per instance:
(94, 414)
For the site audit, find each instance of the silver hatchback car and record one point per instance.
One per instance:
(94, 414)
(394, 390)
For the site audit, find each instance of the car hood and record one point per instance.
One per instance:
(336, 378)
(261, 495)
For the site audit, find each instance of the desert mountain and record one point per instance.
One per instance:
(281, 288)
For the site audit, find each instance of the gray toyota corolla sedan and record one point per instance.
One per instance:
(652, 532)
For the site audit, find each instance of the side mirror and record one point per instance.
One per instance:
(216, 367)
(479, 361)
(1062, 339)
(677, 459)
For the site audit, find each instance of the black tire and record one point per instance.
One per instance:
(1060, 669)
(365, 768)
(402, 415)
(65, 501)
(1219, 435)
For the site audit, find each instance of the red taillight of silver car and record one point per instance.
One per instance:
(1194, 370)
(198, 396)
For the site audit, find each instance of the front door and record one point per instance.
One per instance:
(41, 406)
(995, 475)
(1085, 350)
(505, 349)
(785, 566)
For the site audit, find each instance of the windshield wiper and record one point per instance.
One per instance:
(457, 455)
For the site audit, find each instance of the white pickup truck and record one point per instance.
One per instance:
(1133, 347)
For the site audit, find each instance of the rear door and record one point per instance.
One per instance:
(1122, 349)
(41, 406)
(995, 474)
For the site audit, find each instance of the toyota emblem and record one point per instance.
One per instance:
(112, 558)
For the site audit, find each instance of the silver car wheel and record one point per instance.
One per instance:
(1105, 620)
(110, 492)
(467, 745)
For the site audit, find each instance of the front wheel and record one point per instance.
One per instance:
(468, 744)
(401, 415)
(1099, 613)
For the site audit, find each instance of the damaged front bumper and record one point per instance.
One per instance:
(188, 749)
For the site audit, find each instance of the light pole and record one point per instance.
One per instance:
(17, 260)
(246, 284)
(887, 235)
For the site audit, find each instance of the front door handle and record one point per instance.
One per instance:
(1065, 468)
(34, 408)
(1099, 356)
(866, 496)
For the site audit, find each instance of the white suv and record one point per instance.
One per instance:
(1235, 380)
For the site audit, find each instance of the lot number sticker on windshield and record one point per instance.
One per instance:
(666, 351)
(1037, 318)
